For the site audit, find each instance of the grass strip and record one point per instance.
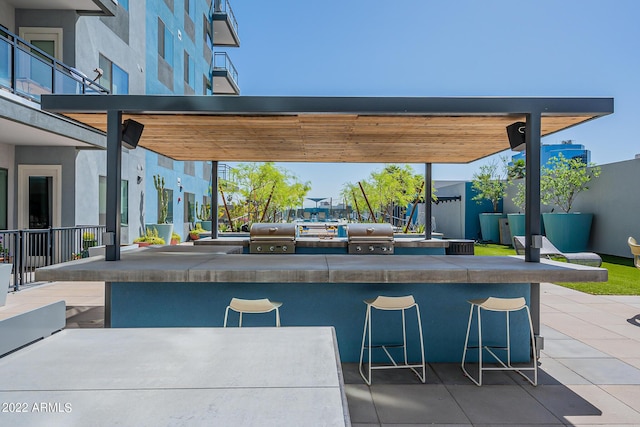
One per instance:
(624, 278)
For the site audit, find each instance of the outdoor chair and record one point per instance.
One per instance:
(504, 305)
(390, 304)
(635, 250)
(549, 251)
(252, 306)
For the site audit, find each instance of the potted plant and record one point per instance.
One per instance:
(195, 233)
(4, 254)
(163, 228)
(204, 215)
(88, 240)
(489, 185)
(175, 238)
(560, 183)
(150, 238)
(516, 172)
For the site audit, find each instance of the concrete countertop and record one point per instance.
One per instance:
(205, 263)
(177, 376)
(316, 242)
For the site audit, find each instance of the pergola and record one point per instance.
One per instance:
(327, 129)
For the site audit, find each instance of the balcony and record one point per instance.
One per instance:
(225, 26)
(224, 77)
(29, 72)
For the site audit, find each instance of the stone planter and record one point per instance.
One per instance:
(5, 282)
(517, 224)
(206, 225)
(164, 231)
(569, 232)
(490, 226)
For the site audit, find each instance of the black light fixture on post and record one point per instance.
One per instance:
(131, 133)
(516, 134)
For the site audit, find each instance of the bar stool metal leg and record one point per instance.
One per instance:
(505, 305)
(390, 303)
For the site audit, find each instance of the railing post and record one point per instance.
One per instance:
(19, 266)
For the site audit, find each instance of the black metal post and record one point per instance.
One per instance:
(214, 199)
(532, 184)
(428, 184)
(114, 171)
(107, 304)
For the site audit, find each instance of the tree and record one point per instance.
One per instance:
(392, 186)
(265, 190)
(563, 179)
(489, 184)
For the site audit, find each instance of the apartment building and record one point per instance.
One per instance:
(52, 169)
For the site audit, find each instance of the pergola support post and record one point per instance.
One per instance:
(214, 199)
(111, 238)
(428, 184)
(532, 228)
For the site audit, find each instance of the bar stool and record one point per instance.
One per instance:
(506, 305)
(387, 304)
(252, 306)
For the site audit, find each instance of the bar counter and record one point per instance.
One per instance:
(190, 286)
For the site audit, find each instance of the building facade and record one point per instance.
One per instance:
(52, 169)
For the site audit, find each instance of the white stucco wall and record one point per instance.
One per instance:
(7, 15)
(95, 38)
(7, 160)
(614, 200)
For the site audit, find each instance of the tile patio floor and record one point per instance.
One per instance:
(589, 369)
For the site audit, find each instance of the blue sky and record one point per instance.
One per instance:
(446, 48)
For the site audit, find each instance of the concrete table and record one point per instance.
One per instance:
(176, 376)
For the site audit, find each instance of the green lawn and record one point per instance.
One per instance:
(624, 278)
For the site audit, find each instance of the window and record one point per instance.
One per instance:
(165, 43)
(190, 9)
(114, 78)
(190, 168)
(102, 201)
(206, 85)
(189, 70)
(189, 206)
(4, 200)
(169, 206)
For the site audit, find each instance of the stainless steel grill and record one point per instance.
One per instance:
(368, 239)
(272, 238)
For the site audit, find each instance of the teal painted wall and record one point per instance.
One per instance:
(444, 310)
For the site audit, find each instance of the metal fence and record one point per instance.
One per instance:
(31, 249)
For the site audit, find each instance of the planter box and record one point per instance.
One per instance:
(206, 225)
(5, 281)
(490, 226)
(517, 224)
(164, 231)
(569, 232)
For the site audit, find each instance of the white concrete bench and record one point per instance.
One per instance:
(25, 328)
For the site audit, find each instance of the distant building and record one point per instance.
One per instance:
(568, 149)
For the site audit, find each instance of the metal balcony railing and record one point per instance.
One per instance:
(224, 7)
(31, 249)
(28, 71)
(221, 62)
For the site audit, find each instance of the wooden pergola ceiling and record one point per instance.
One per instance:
(327, 138)
(327, 129)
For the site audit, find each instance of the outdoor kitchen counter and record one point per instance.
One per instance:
(204, 263)
(336, 242)
(190, 286)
